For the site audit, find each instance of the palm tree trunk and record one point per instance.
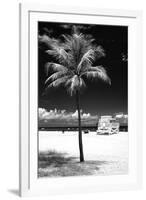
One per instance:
(80, 130)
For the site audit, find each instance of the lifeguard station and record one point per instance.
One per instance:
(108, 125)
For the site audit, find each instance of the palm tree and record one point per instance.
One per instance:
(74, 56)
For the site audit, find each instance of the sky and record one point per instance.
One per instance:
(98, 98)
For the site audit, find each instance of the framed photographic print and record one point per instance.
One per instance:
(80, 100)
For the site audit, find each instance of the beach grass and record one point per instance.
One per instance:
(52, 163)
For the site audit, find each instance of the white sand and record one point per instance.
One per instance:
(112, 149)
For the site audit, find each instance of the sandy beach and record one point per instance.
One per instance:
(109, 154)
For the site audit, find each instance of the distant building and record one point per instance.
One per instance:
(122, 118)
(119, 115)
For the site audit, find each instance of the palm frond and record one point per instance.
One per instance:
(50, 42)
(75, 83)
(88, 68)
(82, 83)
(99, 51)
(59, 53)
(57, 75)
(67, 38)
(55, 67)
(87, 58)
(58, 82)
(77, 45)
(97, 72)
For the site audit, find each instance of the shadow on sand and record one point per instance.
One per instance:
(55, 164)
(53, 158)
(14, 191)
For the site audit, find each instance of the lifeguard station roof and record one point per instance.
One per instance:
(106, 116)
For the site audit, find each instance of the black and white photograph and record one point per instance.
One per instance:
(82, 99)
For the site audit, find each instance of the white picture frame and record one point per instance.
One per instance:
(29, 184)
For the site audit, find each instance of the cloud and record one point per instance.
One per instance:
(86, 115)
(75, 114)
(61, 114)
